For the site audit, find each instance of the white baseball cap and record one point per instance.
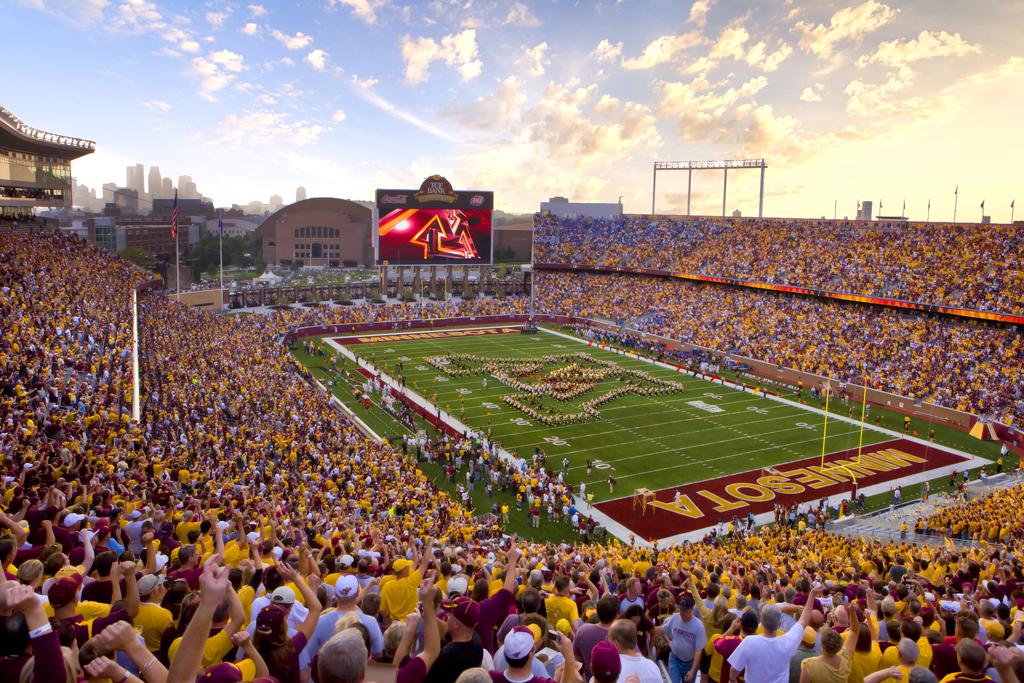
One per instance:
(346, 587)
(73, 518)
(457, 585)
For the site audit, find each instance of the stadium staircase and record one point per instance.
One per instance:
(884, 524)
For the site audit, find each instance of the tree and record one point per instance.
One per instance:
(138, 257)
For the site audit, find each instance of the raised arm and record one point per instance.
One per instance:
(805, 616)
(312, 603)
(854, 632)
(512, 568)
(131, 588)
(214, 585)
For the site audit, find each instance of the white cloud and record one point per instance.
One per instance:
(492, 112)
(607, 51)
(701, 109)
(811, 93)
(137, 16)
(266, 127)
(157, 105)
(84, 12)
(662, 50)
(731, 43)
(251, 28)
(363, 9)
(458, 50)
(850, 23)
(317, 59)
(535, 59)
(216, 71)
(520, 15)
(876, 99)
(760, 58)
(699, 12)
(296, 42)
(338, 116)
(190, 46)
(216, 19)
(257, 10)
(364, 83)
(228, 60)
(566, 142)
(926, 45)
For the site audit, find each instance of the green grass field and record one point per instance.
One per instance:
(646, 441)
(692, 429)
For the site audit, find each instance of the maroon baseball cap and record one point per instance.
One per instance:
(604, 660)
(225, 672)
(270, 618)
(62, 592)
(463, 609)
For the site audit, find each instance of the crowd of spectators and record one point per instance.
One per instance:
(244, 530)
(286, 318)
(964, 265)
(982, 518)
(969, 367)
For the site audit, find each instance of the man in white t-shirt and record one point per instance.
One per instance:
(765, 658)
(623, 636)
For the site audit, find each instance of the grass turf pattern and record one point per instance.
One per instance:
(651, 441)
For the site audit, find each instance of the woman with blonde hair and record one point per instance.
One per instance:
(835, 662)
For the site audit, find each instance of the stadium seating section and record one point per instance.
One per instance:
(245, 530)
(964, 265)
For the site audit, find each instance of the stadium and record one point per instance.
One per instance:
(666, 447)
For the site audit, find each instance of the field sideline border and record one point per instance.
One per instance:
(613, 526)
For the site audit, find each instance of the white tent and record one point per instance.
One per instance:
(268, 276)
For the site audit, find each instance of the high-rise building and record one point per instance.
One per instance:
(276, 202)
(864, 210)
(156, 183)
(136, 179)
(168, 188)
(109, 190)
(300, 193)
(186, 188)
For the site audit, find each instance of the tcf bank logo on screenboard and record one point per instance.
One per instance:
(437, 189)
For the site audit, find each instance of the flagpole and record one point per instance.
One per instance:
(956, 198)
(136, 402)
(1012, 210)
(177, 265)
(929, 218)
(220, 229)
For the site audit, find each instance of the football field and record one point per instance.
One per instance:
(707, 451)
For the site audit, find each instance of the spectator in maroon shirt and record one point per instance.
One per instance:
(102, 588)
(189, 569)
(494, 609)
(745, 625)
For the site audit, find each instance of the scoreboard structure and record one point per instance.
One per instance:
(434, 225)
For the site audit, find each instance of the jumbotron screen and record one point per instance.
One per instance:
(434, 225)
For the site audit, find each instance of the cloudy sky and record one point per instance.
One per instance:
(847, 100)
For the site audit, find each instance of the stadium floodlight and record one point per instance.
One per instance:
(724, 166)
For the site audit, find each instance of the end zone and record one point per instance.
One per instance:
(703, 504)
(390, 337)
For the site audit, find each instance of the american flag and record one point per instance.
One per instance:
(174, 217)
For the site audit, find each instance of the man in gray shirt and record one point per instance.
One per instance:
(687, 638)
(346, 590)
